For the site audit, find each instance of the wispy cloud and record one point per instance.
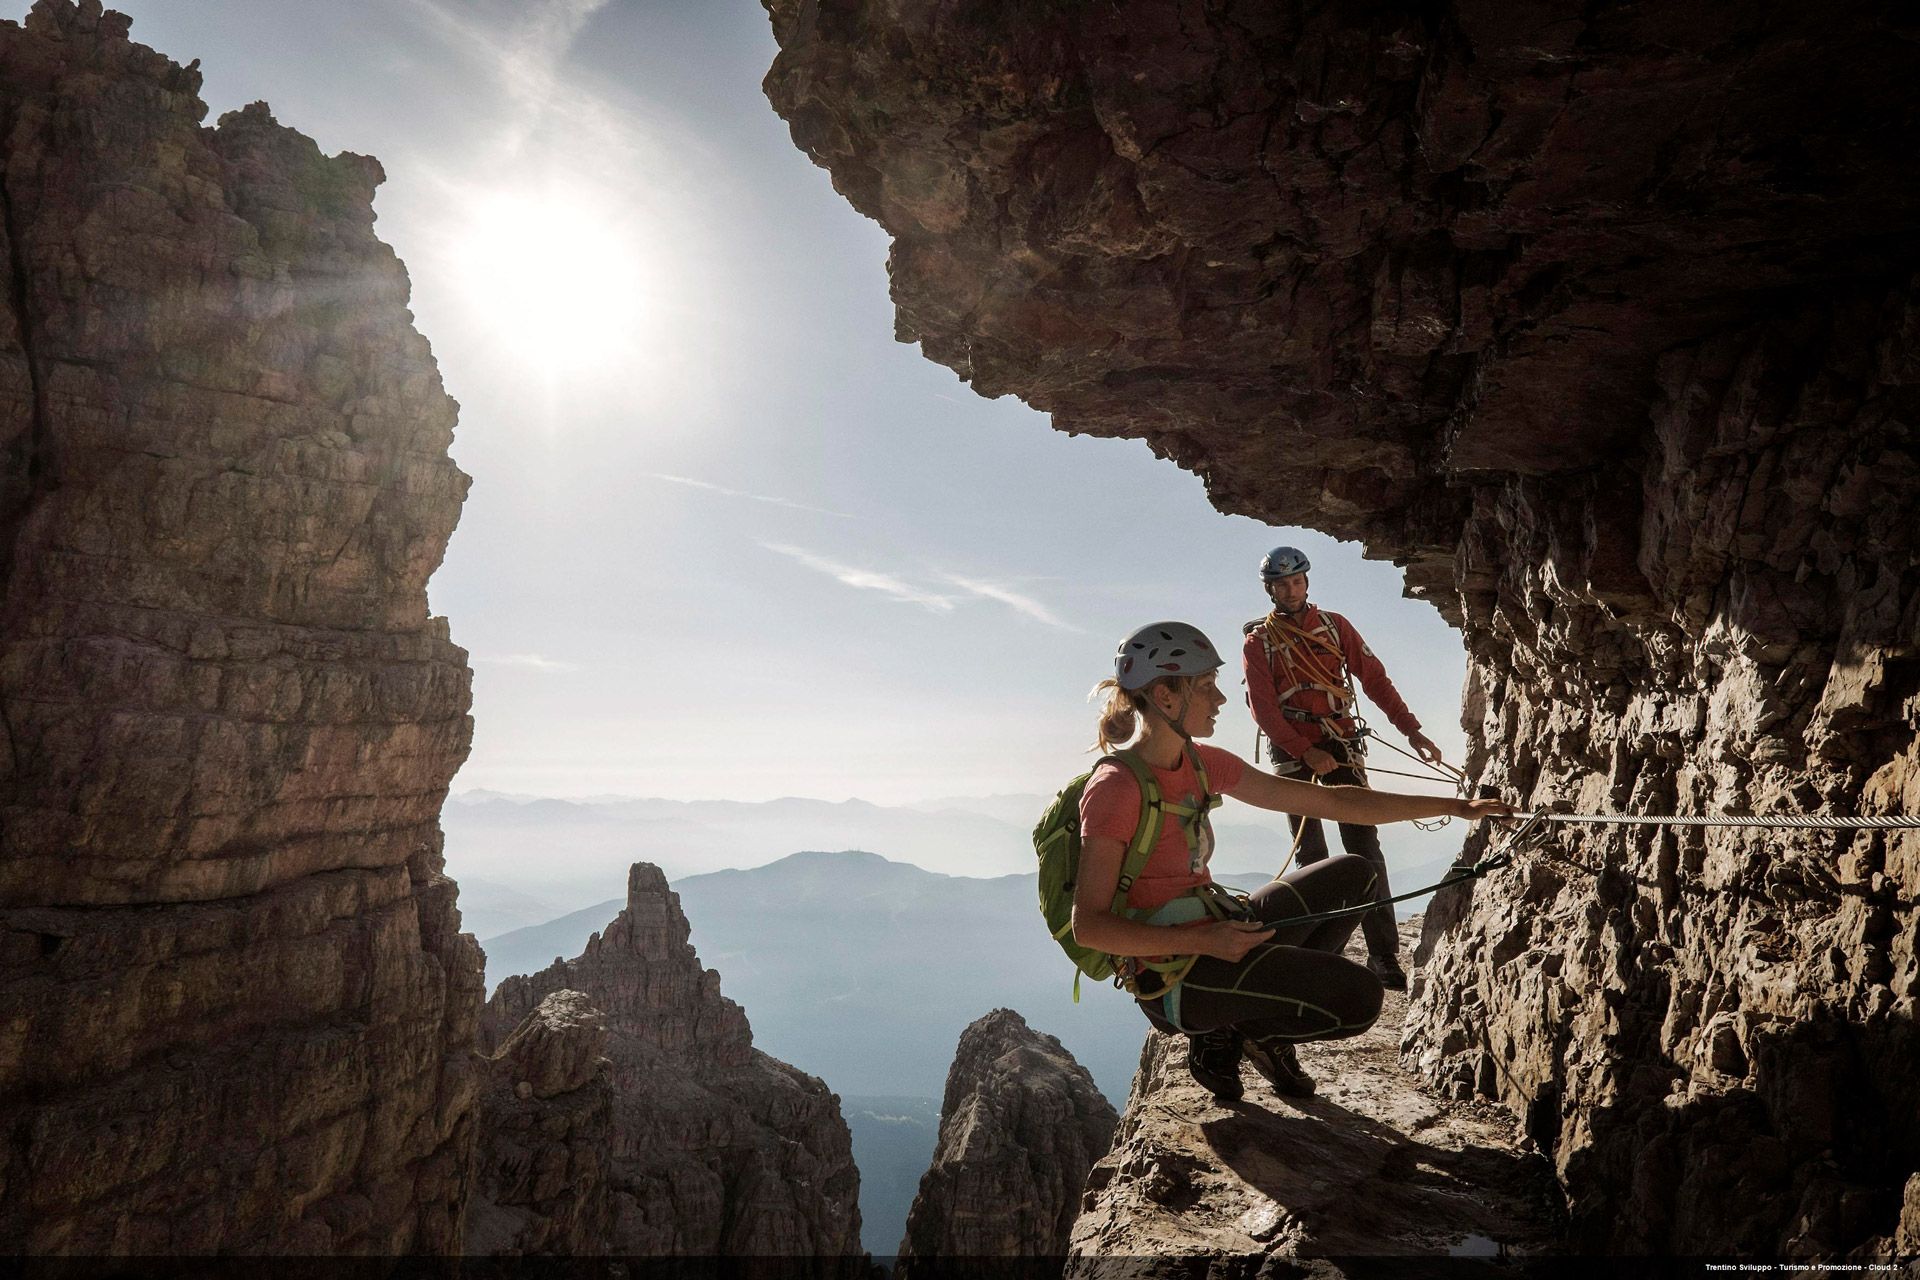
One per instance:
(537, 661)
(936, 601)
(866, 579)
(1012, 599)
(742, 493)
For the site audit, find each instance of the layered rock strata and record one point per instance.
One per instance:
(1714, 1030)
(1372, 1166)
(546, 1137)
(238, 1009)
(1600, 321)
(718, 1149)
(1020, 1124)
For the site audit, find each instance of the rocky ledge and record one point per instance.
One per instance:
(1020, 1124)
(1598, 319)
(1374, 1164)
(717, 1148)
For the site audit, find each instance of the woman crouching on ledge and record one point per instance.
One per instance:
(1198, 959)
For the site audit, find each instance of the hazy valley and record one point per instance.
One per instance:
(523, 860)
(854, 967)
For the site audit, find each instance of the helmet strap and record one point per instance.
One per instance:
(1178, 721)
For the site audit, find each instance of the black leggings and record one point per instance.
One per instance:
(1297, 986)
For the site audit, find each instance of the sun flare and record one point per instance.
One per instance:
(556, 279)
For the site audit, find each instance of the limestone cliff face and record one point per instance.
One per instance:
(1020, 1125)
(546, 1137)
(238, 1010)
(717, 1148)
(1598, 319)
(1714, 1032)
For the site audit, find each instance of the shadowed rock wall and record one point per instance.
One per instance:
(237, 1007)
(1597, 319)
(717, 1148)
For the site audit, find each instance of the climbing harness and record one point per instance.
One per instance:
(1282, 637)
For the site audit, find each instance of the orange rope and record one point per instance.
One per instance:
(1312, 665)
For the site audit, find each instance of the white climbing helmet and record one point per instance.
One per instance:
(1163, 649)
(1283, 562)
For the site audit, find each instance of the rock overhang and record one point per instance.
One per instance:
(1347, 263)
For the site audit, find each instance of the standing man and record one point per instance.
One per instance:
(1301, 663)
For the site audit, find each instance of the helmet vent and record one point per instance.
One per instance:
(1173, 647)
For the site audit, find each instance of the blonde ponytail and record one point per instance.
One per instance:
(1120, 717)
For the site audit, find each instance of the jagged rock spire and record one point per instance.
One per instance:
(1020, 1125)
(718, 1149)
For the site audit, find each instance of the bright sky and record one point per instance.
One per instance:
(727, 539)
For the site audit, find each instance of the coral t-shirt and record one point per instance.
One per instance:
(1110, 806)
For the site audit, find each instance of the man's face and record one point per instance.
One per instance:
(1289, 594)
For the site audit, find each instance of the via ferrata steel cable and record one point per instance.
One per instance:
(1532, 830)
(1810, 822)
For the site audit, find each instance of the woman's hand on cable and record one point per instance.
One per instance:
(1474, 810)
(1229, 939)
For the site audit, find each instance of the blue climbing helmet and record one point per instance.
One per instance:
(1283, 562)
(1163, 649)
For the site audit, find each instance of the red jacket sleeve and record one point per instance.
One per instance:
(1264, 701)
(1372, 674)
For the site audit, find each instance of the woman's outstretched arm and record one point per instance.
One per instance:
(1360, 805)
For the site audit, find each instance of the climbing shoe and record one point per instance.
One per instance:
(1213, 1059)
(1276, 1060)
(1388, 970)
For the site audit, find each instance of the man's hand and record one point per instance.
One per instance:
(1424, 746)
(1319, 761)
(1474, 810)
(1229, 940)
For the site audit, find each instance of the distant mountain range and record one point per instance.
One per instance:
(864, 970)
(524, 860)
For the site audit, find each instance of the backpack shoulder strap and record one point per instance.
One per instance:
(1145, 832)
(1208, 800)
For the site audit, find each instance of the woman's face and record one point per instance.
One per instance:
(1203, 702)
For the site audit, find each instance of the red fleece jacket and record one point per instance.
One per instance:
(1265, 678)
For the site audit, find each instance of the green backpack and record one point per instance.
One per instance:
(1056, 839)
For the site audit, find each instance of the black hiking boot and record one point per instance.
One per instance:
(1276, 1060)
(1213, 1059)
(1388, 970)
